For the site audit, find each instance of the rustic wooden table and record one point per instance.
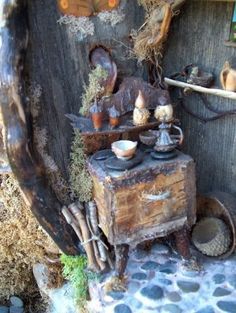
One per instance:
(152, 200)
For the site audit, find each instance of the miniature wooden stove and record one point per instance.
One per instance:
(151, 200)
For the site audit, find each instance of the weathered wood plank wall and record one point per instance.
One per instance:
(59, 62)
(197, 36)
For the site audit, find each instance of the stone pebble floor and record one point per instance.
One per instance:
(16, 306)
(160, 281)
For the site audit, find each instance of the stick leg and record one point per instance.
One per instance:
(182, 243)
(122, 254)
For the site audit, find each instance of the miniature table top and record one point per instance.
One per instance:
(98, 168)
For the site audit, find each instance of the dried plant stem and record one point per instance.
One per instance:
(87, 243)
(72, 221)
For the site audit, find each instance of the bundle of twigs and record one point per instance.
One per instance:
(83, 219)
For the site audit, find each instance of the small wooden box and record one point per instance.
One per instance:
(151, 200)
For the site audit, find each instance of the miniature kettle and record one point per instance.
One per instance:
(167, 142)
(228, 77)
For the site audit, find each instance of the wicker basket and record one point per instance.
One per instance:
(223, 206)
(211, 236)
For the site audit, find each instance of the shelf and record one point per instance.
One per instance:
(209, 91)
(85, 125)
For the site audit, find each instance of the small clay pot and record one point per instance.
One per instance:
(114, 121)
(228, 78)
(97, 119)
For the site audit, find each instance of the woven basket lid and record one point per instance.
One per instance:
(221, 205)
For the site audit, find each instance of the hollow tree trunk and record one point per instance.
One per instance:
(43, 202)
(58, 61)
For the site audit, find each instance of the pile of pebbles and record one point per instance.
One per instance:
(16, 306)
(160, 281)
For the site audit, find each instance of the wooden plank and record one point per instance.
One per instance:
(196, 37)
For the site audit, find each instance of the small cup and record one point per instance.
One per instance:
(124, 149)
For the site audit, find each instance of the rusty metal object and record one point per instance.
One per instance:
(31, 176)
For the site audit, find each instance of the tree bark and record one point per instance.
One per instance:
(31, 176)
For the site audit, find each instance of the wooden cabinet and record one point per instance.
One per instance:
(151, 200)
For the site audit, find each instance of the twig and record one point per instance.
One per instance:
(72, 221)
(210, 91)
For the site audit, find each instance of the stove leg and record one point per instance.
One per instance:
(182, 243)
(122, 254)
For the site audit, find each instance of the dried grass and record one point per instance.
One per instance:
(150, 5)
(94, 89)
(113, 17)
(22, 241)
(80, 179)
(148, 40)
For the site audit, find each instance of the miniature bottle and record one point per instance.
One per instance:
(141, 114)
(97, 116)
(114, 117)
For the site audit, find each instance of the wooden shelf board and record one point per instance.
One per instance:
(85, 125)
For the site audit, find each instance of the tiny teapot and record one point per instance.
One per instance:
(166, 142)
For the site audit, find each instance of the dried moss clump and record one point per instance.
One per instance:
(22, 241)
(94, 89)
(80, 180)
(113, 17)
(79, 26)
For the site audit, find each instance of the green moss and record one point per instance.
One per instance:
(94, 89)
(80, 180)
(74, 271)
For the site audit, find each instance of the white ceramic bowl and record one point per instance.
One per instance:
(124, 149)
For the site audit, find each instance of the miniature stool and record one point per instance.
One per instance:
(154, 199)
